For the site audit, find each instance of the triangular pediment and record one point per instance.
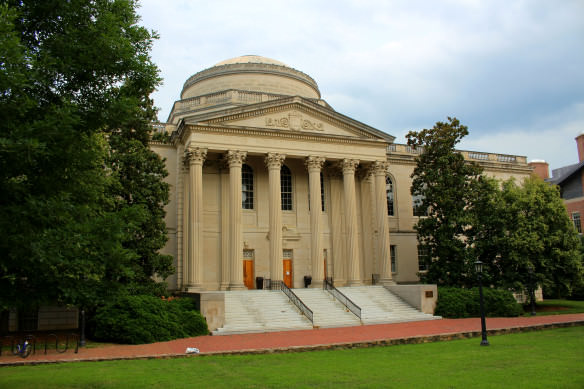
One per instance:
(295, 115)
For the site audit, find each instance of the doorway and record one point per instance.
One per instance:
(248, 271)
(287, 267)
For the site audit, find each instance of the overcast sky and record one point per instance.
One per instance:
(512, 71)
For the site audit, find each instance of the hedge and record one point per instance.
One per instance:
(458, 302)
(148, 319)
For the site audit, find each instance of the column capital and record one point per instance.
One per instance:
(314, 163)
(379, 168)
(348, 166)
(235, 158)
(274, 160)
(195, 155)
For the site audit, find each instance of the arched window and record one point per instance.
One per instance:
(389, 191)
(246, 187)
(286, 188)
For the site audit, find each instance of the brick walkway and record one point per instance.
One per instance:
(324, 338)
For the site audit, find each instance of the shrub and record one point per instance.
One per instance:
(459, 302)
(147, 319)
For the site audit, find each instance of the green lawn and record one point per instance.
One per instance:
(542, 359)
(557, 307)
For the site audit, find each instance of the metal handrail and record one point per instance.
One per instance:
(294, 299)
(351, 306)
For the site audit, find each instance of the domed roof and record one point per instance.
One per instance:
(251, 73)
(251, 59)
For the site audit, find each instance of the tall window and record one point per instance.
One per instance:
(286, 188)
(422, 257)
(389, 191)
(321, 192)
(418, 208)
(576, 220)
(246, 187)
(393, 251)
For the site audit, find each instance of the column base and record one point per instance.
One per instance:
(224, 286)
(237, 287)
(354, 283)
(316, 284)
(194, 288)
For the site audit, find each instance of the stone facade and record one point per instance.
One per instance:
(314, 200)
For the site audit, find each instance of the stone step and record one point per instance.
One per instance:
(327, 311)
(378, 305)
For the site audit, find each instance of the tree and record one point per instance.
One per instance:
(81, 197)
(535, 242)
(447, 187)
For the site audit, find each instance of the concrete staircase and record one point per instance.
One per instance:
(327, 311)
(260, 311)
(378, 305)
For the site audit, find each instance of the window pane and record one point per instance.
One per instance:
(286, 188)
(389, 191)
(576, 220)
(246, 187)
(422, 256)
(393, 250)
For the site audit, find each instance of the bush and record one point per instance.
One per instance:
(148, 319)
(458, 302)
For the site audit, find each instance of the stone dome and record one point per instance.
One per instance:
(251, 73)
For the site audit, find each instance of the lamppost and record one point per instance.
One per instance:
(530, 271)
(479, 269)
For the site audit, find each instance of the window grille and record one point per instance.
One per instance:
(422, 257)
(246, 187)
(576, 221)
(389, 192)
(286, 188)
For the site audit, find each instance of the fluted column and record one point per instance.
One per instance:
(314, 166)
(196, 156)
(379, 172)
(353, 252)
(235, 159)
(274, 164)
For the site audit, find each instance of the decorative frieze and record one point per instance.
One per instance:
(294, 121)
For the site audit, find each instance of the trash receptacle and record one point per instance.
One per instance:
(259, 282)
(307, 281)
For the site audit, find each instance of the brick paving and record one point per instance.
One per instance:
(323, 338)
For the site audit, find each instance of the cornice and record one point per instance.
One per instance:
(269, 133)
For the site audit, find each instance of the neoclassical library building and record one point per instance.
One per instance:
(268, 180)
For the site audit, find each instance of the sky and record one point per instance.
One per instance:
(512, 71)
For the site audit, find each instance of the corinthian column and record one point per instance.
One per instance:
(235, 159)
(353, 252)
(379, 172)
(274, 164)
(196, 157)
(314, 165)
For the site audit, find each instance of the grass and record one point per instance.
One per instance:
(556, 307)
(542, 359)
